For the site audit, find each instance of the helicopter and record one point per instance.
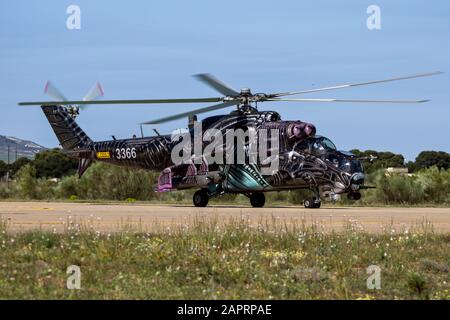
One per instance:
(304, 160)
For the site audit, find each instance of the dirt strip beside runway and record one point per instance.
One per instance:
(55, 216)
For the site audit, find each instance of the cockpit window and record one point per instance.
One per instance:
(316, 144)
(328, 144)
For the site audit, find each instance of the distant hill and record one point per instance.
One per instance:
(25, 148)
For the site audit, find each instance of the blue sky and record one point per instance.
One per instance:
(149, 49)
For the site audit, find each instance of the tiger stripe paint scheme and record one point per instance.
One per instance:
(299, 167)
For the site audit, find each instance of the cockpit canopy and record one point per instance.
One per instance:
(316, 145)
(325, 149)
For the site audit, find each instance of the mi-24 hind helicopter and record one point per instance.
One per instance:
(304, 160)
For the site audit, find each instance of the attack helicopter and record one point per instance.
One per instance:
(304, 160)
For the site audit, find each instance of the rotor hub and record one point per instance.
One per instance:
(73, 111)
(246, 92)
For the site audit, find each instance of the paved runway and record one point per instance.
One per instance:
(56, 216)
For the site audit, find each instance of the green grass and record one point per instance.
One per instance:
(209, 260)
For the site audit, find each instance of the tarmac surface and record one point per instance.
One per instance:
(57, 216)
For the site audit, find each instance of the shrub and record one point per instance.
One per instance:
(67, 187)
(45, 189)
(5, 192)
(281, 196)
(417, 282)
(27, 182)
(402, 189)
(103, 181)
(436, 184)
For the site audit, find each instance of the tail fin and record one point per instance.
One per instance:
(69, 134)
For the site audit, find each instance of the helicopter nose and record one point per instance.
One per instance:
(358, 178)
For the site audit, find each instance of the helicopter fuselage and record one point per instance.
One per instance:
(304, 160)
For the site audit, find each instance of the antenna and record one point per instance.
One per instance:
(9, 166)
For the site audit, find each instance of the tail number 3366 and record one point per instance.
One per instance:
(125, 153)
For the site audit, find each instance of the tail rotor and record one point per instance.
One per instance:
(95, 92)
(53, 92)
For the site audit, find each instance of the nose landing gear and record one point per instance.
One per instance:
(312, 203)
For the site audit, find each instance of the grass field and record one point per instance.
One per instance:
(208, 260)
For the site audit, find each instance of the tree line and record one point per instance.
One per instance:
(48, 164)
(374, 160)
(55, 164)
(31, 179)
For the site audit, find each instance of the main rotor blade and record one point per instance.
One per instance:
(53, 92)
(348, 100)
(192, 112)
(146, 101)
(216, 84)
(357, 84)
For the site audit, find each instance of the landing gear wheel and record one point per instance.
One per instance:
(312, 203)
(200, 198)
(257, 200)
